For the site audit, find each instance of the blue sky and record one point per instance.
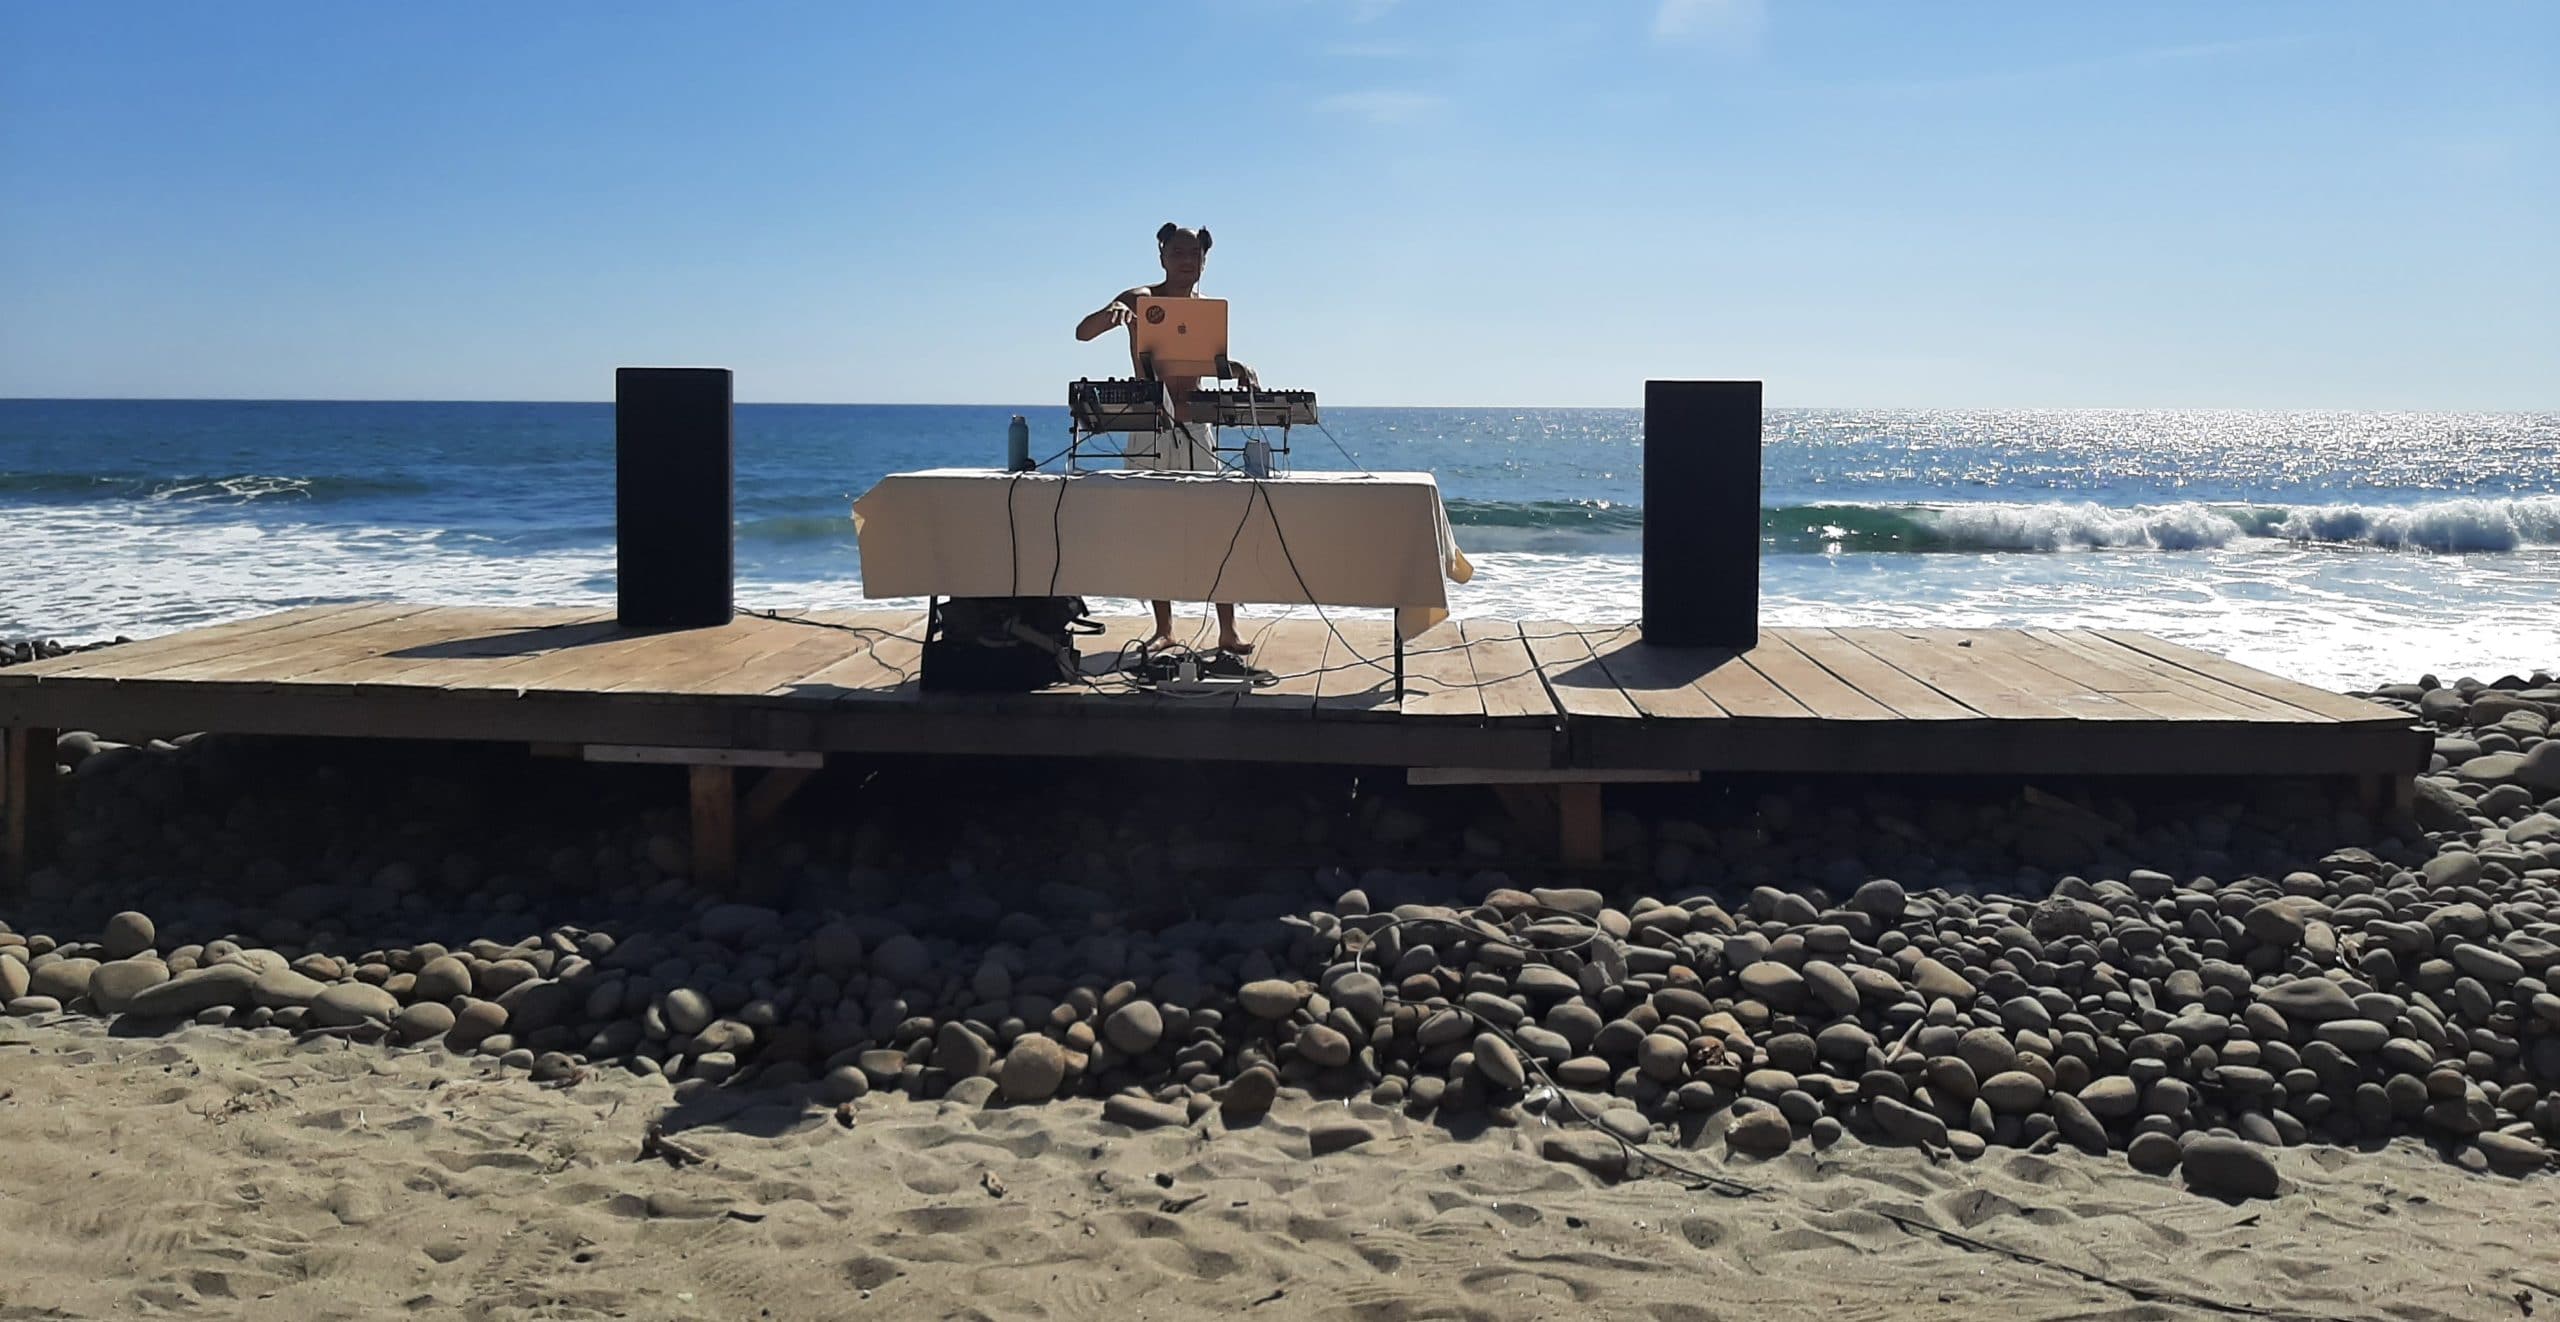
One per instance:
(2334, 204)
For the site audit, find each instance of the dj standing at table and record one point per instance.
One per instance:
(1190, 447)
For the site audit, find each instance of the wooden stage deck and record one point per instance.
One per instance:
(1486, 699)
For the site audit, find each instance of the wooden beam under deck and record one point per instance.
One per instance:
(1542, 697)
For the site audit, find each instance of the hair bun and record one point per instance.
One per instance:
(1166, 233)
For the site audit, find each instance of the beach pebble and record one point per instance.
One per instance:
(1143, 1113)
(2152, 1153)
(902, 960)
(64, 979)
(1499, 1064)
(1033, 1069)
(127, 934)
(1270, 998)
(27, 1007)
(1134, 1028)
(2228, 1167)
(961, 1054)
(1324, 1045)
(1907, 1123)
(474, 1023)
(847, 1083)
(1759, 1133)
(2015, 1092)
(347, 1003)
(2111, 1097)
(184, 995)
(1330, 1136)
(686, 1011)
(441, 979)
(13, 978)
(284, 987)
(422, 1020)
(836, 949)
(1596, 1153)
(2508, 1154)
(1247, 1096)
(115, 983)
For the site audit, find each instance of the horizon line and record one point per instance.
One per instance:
(956, 404)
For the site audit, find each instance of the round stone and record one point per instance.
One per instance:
(2228, 1168)
(128, 934)
(686, 1011)
(1663, 1058)
(1776, 984)
(423, 1020)
(2015, 1092)
(1499, 1064)
(1762, 1132)
(348, 1003)
(2152, 1153)
(1324, 1045)
(116, 982)
(1270, 998)
(845, 1083)
(441, 979)
(1032, 1070)
(1135, 1028)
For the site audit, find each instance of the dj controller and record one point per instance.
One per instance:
(1126, 404)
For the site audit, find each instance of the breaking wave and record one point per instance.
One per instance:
(2463, 525)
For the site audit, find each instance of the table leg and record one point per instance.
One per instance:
(1399, 633)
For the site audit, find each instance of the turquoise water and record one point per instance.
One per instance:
(2343, 548)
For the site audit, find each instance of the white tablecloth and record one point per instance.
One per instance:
(1328, 539)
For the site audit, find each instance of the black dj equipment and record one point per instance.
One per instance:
(674, 537)
(1003, 644)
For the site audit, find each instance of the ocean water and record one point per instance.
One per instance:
(2343, 549)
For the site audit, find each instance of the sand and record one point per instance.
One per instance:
(227, 1173)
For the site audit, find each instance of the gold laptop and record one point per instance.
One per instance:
(1181, 336)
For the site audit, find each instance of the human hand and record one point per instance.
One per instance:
(1120, 314)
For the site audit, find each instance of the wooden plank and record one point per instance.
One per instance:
(2166, 699)
(1821, 693)
(1575, 679)
(484, 661)
(324, 643)
(1659, 681)
(883, 669)
(661, 755)
(1876, 678)
(425, 649)
(1729, 680)
(2033, 666)
(2169, 675)
(2336, 706)
(1293, 651)
(171, 649)
(1440, 676)
(697, 659)
(214, 658)
(1988, 684)
(1359, 669)
(1506, 673)
(590, 665)
(1546, 776)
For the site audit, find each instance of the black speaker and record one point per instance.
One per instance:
(674, 470)
(1702, 513)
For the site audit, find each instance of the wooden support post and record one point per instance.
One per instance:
(774, 789)
(1578, 824)
(26, 783)
(715, 824)
(2386, 794)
